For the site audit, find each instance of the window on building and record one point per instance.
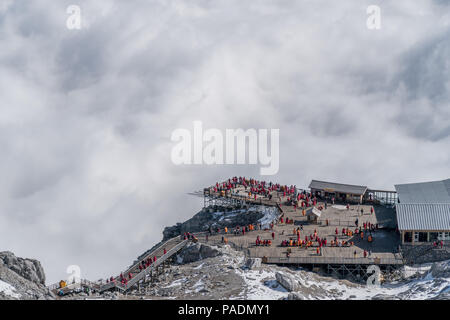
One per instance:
(434, 236)
(422, 236)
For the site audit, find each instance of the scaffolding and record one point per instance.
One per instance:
(385, 197)
(211, 199)
(358, 272)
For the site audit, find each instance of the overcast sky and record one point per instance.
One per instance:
(86, 115)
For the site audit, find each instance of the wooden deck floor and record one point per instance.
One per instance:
(383, 247)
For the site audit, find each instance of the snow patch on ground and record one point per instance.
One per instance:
(8, 290)
(260, 285)
(199, 266)
(270, 214)
(409, 271)
(199, 285)
(176, 283)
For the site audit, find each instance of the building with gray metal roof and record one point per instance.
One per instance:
(423, 211)
(424, 192)
(338, 191)
(423, 216)
(338, 187)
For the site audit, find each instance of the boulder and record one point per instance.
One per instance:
(294, 296)
(195, 252)
(287, 281)
(253, 263)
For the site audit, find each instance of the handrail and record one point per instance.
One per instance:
(245, 198)
(89, 283)
(144, 272)
(149, 254)
(115, 282)
(333, 260)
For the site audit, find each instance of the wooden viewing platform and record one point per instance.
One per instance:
(382, 251)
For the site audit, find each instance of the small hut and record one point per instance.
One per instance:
(313, 215)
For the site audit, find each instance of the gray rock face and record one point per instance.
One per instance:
(195, 252)
(25, 276)
(253, 263)
(206, 217)
(287, 281)
(29, 269)
(425, 253)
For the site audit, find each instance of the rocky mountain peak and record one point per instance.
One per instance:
(29, 269)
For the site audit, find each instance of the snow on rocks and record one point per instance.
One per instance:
(270, 214)
(8, 290)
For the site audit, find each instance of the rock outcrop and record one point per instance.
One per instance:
(287, 281)
(195, 252)
(253, 263)
(29, 269)
(213, 217)
(22, 279)
(425, 253)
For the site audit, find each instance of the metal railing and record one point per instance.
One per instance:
(247, 199)
(116, 280)
(148, 255)
(337, 223)
(81, 282)
(332, 260)
(143, 273)
(350, 223)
